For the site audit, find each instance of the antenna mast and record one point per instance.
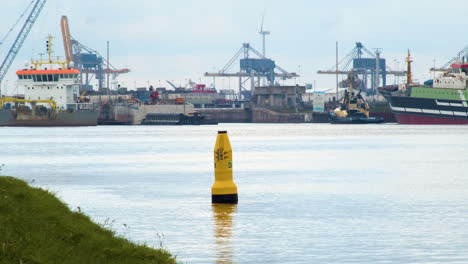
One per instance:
(409, 77)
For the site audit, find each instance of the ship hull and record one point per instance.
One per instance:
(407, 119)
(77, 118)
(355, 120)
(382, 110)
(413, 110)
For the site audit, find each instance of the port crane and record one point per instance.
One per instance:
(22, 35)
(88, 61)
(362, 68)
(173, 85)
(460, 54)
(253, 70)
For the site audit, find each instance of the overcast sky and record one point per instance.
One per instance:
(180, 40)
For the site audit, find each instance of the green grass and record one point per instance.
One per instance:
(37, 228)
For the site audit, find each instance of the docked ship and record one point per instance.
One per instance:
(51, 98)
(442, 101)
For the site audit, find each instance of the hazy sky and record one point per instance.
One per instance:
(180, 40)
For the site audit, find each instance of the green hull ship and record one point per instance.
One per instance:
(440, 101)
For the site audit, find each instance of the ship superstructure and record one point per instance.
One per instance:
(50, 79)
(59, 85)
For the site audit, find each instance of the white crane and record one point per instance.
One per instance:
(16, 46)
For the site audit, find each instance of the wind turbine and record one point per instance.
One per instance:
(263, 33)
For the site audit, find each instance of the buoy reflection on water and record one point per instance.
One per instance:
(223, 232)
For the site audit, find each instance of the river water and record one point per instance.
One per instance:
(308, 193)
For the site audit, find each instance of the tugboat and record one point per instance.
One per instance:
(51, 97)
(354, 109)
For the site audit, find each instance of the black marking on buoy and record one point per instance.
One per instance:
(224, 199)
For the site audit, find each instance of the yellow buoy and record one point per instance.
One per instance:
(224, 190)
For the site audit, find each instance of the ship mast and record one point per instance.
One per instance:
(409, 75)
(50, 60)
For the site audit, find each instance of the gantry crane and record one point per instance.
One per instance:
(460, 54)
(355, 63)
(22, 35)
(253, 69)
(88, 61)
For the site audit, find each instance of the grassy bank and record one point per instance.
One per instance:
(37, 228)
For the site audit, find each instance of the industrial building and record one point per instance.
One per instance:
(279, 96)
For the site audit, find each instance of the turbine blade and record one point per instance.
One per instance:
(261, 27)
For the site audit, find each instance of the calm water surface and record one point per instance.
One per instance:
(314, 193)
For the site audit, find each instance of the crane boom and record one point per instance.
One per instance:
(52, 103)
(67, 43)
(459, 54)
(171, 84)
(36, 10)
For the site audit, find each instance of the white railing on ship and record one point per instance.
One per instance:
(80, 106)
